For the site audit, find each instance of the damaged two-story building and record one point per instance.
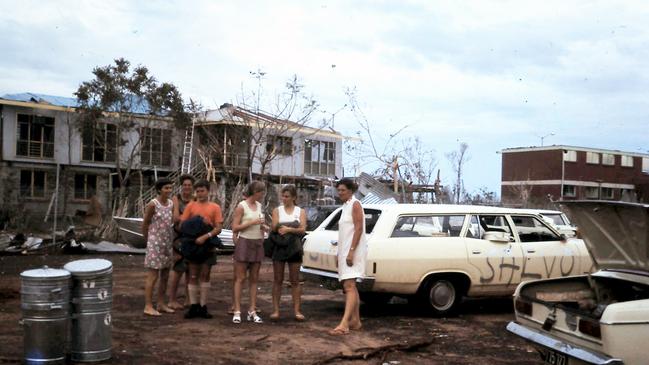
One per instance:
(244, 143)
(40, 136)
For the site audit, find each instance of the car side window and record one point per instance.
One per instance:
(474, 228)
(333, 223)
(531, 229)
(371, 217)
(480, 224)
(428, 226)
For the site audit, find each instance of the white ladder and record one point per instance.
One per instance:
(186, 166)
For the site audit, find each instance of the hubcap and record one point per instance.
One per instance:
(442, 295)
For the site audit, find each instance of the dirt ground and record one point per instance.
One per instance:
(476, 336)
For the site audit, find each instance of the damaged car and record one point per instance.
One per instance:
(599, 318)
(437, 254)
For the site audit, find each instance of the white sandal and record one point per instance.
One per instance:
(236, 318)
(252, 316)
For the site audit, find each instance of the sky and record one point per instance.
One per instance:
(492, 74)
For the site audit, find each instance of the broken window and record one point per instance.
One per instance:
(33, 183)
(279, 145)
(99, 143)
(35, 136)
(156, 147)
(319, 157)
(85, 186)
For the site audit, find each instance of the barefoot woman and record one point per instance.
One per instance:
(352, 252)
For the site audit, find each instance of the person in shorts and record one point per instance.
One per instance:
(199, 269)
(289, 221)
(248, 223)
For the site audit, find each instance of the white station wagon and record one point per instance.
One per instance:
(440, 253)
(601, 318)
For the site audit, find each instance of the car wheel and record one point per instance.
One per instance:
(376, 299)
(441, 295)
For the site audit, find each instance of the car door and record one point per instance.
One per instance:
(321, 245)
(546, 254)
(418, 244)
(493, 251)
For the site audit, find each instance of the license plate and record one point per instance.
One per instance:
(555, 358)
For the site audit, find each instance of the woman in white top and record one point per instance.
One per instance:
(248, 224)
(288, 218)
(352, 253)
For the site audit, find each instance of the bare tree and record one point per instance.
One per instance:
(458, 159)
(291, 114)
(404, 161)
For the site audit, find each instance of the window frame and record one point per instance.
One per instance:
(589, 189)
(86, 190)
(570, 195)
(608, 159)
(440, 234)
(369, 228)
(325, 162)
(604, 193)
(104, 128)
(45, 148)
(624, 158)
(32, 177)
(153, 146)
(592, 158)
(282, 145)
(567, 155)
(541, 223)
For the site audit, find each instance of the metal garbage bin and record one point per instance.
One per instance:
(92, 299)
(45, 306)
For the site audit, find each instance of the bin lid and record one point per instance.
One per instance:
(45, 272)
(89, 267)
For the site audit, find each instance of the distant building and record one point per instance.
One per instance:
(38, 133)
(532, 176)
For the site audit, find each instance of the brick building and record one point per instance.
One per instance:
(533, 176)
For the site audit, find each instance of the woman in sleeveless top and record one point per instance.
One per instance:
(248, 223)
(157, 228)
(288, 218)
(180, 265)
(352, 253)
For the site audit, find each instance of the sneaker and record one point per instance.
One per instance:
(193, 312)
(202, 312)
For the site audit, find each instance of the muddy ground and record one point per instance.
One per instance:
(476, 336)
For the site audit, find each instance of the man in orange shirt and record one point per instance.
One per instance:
(199, 268)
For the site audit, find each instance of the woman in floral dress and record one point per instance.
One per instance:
(157, 229)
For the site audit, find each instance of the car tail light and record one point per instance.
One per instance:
(523, 306)
(590, 327)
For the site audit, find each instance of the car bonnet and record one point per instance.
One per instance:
(616, 233)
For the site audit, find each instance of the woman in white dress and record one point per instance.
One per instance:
(352, 253)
